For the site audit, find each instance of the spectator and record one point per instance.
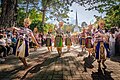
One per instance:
(42, 40)
(112, 41)
(14, 41)
(107, 40)
(9, 43)
(117, 43)
(2, 47)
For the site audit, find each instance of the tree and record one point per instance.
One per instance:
(27, 5)
(56, 9)
(9, 12)
(102, 5)
(34, 15)
(113, 16)
(112, 9)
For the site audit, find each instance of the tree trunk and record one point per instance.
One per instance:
(9, 12)
(43, 17)
(27, 1)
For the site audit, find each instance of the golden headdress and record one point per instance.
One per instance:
(50, 30)
(61, 24)
(84, 29)
(68, 29)
(101, 21)
(27, 20)
(90, 26)
(35, 29)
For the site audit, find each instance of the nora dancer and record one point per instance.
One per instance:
(83, 38)
(59, 38)
(89, 40)
(102, 51)
(36, 35)
(49, 41)
(68, 42)
(22, 45)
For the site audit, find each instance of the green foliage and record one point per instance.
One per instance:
(69, 27)
(34, 15)
(102, 5)
(48, 27)
(59, 9)
(113, 16)
(20, 16)
(112, 9)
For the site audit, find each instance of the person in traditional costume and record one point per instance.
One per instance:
(102, 51)
(89, 40)
(36, 34)
(59, 38)
(22, 45)
(68, 41)
(49, 41)
(82, 38)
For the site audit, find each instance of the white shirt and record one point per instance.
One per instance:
(116, 33)
(111, 39)
(2, 42)
(9, 41)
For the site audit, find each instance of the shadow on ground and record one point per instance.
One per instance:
(47, 70)
(38, 67)
(8, 75)
(102, 74)
(88, 61)
(115, 58)
(12, 72)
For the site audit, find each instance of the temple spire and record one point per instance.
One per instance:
(76, 29)
(76, 19)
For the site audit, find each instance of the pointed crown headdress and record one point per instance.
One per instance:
(50, 30)
(27, 20)
(61, 23)
(101, 21)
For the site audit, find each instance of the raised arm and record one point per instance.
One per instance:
(16, 28)
(33, 39)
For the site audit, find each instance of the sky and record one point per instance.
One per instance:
(83, 15)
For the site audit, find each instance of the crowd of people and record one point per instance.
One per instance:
(7, 43)
(112, 41)
(100, 42)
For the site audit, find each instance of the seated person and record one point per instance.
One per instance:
(8, 43)
(3, 46)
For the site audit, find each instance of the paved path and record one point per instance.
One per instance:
(48, 66)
